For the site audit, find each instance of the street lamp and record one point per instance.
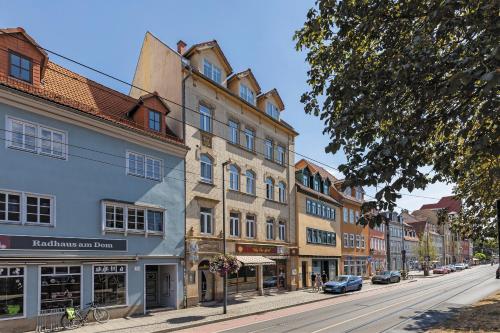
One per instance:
(224, 230)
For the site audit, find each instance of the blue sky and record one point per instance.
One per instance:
(258, 34)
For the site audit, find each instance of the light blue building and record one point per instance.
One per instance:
(91, 193)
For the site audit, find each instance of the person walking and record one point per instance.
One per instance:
(324, 277)
(313, 281)
(319, 283)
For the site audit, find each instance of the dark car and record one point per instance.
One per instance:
(343, 283)
(498, 272)
(387, 277)
(270, 282)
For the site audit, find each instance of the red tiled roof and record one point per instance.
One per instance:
(449, 202)
(67, 88)
(317, 169)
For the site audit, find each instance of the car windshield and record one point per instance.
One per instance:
(386, 273)
(341, 278)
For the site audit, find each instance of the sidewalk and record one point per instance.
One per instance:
(195, 316)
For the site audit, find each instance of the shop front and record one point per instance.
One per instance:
(356, 265)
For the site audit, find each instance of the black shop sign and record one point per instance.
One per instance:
(11, 242)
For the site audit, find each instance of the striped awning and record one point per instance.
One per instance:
(255, 260)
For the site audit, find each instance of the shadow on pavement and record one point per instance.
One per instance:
(187, 319)
(484, 316)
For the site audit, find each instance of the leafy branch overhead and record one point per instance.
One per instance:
(407, 86)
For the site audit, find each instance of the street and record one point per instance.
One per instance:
(411, 307)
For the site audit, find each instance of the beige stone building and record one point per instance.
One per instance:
(230, 125)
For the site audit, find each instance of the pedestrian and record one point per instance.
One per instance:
(313, 280)
(324, 277)
(319, 283)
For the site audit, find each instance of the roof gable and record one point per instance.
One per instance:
(217, 50)
(274, 95)
(248, 74)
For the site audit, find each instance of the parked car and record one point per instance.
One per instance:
(343, 283)
(498, 272)
(451, 268)
(459, 267)
(441, 270)
(270, 282)
(466, 265)
(387, 277)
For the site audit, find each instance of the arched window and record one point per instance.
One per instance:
(282, 192)
(206, 166)
(282, 231)
(234, 178)
(269, 188)
(250, 175)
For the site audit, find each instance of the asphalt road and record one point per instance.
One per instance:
(412, 307)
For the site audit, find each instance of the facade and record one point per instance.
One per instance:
(396, 239)
(411, 244)
(430, 241)
(230, 125)
(355, 246)
(378, 254)
(317, 216)
(91, 206)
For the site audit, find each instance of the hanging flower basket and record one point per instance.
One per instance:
(221, 264)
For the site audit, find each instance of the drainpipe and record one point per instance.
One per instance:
(185, 175)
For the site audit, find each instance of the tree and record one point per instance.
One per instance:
(409, 91)
(480, 256)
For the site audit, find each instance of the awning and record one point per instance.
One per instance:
(255, 260)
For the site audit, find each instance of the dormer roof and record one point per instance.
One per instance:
(22, 32)
(249, 75)
(216, 48)
(315, 169)
(274, 93)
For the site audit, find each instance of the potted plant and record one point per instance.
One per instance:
(222, 264)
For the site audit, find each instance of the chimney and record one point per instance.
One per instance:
(181, 46)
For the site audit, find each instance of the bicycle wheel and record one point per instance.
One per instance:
(70, 324)
(100, 315)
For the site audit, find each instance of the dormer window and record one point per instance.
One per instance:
(247, 94)
(211, 71)
(272, 110)
(316, 184)
(154, 120)
(325, 188)
(20, 67)
(348, 191)
(305, 180)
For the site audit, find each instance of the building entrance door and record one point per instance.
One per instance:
(304, 274)
(151, 289)
(206, 282)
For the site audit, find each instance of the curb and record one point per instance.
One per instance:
(265, 311)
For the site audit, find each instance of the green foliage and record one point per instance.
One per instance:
(480, 256)
(426, 247)
(406, 86)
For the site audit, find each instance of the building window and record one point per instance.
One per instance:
(270, 229)
(308, 206)
(316, 184)
(155, 221)
(250, 226)
(211, 71)
(135, 220)
(250, 176)
(154, 120)
(313, 209)
(282, 192)
(305, 180)
(250, 139)
(359, 193)
(346, 215)
(348, 191)
(351, 240)
(321, 237)
(269, 149)
(357, 216)
(205, 119)
(272, 110)
(114, 217)
(10, 207)
(325, 188)
(280, 155)
(351, 216)
(346, 240)
(38, 209)
(60, 287)
(358, 241)
(234, 224)
(282, 231)
(234, 132)
(36, 138)
(206, 220)
(234, 178)
(141, 165)
(269, 188)
(247, 94)
(20, 67)
(110, 285)
(12, 292)
(206, 168)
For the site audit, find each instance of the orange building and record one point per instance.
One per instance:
(355, 238)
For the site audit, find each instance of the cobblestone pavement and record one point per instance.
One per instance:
(183, 318)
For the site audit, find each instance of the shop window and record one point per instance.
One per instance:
(110, 286)
(11, 292)
(60, 287)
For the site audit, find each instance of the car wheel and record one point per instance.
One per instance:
(399, 279)
(342, 290)
(359, 287)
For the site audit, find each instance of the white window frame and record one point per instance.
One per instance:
(145, 158)
(250, 139)
(269, 148)
(25, 274)
(215, 72)
(270, 229)
(250, 182)
(358, 242)
(282, 192)
(346, 215)
(126, 283)
(23, 212)
(234, 132)
(247, 94)
(7, 194)
(250, 220)
(206, 222)
(272, 110)
(269, 188)
(206, 116)
(37, 137)
(282, 231)
(351, 240)
(234, 224)
(351, 216)
(125, 230)
(234, 177)
(346, 240)
(209, 166)
(280, 155)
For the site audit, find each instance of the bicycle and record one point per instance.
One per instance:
(73, 318)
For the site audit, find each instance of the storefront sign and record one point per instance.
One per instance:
(256, 249)
(8, 242)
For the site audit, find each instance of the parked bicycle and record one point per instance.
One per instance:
(76, 317)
